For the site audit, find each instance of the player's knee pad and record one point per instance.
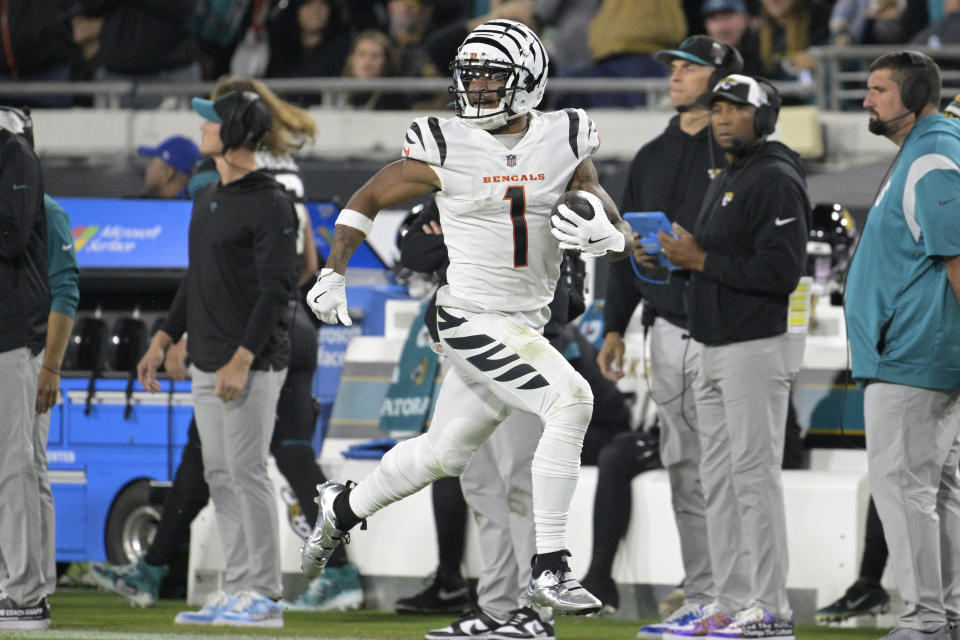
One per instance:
(572, 402)
(454, 453)
(414, 457)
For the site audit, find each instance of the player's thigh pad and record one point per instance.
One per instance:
(512, 360)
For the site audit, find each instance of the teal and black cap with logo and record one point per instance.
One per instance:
(702, 50)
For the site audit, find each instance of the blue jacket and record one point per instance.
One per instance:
(903, 321)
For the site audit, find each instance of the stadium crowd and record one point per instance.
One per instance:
(193, 40)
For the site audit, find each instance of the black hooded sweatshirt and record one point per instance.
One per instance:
(753, 226)
(243, 265)
(670, 174)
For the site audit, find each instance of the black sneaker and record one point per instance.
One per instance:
(862, 598)
(16, 616)
(474, 624)
(442, 596)
(524, 624)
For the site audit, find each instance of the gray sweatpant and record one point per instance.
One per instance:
(674, 366)
(48, 521)
(498, 487)
(21, 547)
(743, 394)
(235, 439)
(913, 450)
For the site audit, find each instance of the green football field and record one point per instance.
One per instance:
(86, 614)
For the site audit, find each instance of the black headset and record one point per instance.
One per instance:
(915, 91)
(248, 121)
(765, 119)
(726, 59)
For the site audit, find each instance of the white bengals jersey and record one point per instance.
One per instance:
(495, 204)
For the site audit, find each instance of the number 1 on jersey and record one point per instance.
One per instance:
(518, 206)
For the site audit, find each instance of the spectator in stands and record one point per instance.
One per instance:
(25, 281)
(945, 31)
(787, 29)
(409, 25)
(729, 22)
(902, 297)
(625, 35)
(36, 46)
(168, 171)
(219, 27)
(308, 38)
(876, 21)
(441, 44)
(565, 26)
(373, 55)
(145, 42)
(85, 57)
(746, 255)
(241, 267)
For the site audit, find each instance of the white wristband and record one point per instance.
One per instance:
(356, 220)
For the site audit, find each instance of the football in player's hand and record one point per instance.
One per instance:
(576, 203)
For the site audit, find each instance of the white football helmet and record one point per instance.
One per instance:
(505, 50)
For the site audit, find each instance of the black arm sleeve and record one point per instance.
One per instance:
(623, 296)
(176, 322)
(275, 251)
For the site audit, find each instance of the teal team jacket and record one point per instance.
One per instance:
(903, 321)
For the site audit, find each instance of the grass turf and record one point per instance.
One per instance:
(82, 614)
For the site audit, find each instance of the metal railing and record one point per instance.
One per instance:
(332, 93)
(841, 76)
(838, 81)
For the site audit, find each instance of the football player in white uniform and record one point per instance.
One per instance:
(496, 169)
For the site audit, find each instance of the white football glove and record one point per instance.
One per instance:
(593, 237)
(328, 298)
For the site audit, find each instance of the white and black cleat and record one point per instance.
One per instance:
(325, 537)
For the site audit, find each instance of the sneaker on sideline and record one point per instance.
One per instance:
(523, 624)
(16, 616)
(139, 583)
(336, 589)
(682, 616)
(710, 620)
(755, 623)
(250, 609)
(473, 624)
(862, 598)
(208, 612)
(446, 594)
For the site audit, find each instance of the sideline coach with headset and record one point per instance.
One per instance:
(241, 274)
(903, 322)
(671, 174)
(746, 255)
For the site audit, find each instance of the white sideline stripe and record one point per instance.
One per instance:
(117, 635)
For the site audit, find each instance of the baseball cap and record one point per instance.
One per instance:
(711, 7)
(177, 151)
(219, 110)
(736, 88)
(702, 50)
